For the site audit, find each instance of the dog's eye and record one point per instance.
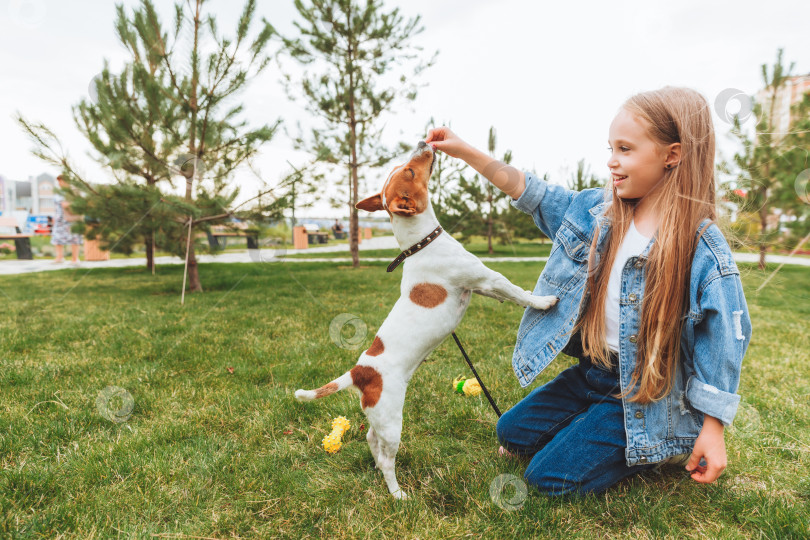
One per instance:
(413, 174)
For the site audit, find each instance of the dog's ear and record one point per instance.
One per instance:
(402, 206)
(371, 204)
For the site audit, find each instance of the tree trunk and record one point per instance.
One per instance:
(763, 220)
(149, 240)
(489, 223)
(763, 224)
(353, 196)
(194, 284)
(150, 255)
(763, 211)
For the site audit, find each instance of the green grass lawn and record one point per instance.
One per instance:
(523, 248)
(206, 452)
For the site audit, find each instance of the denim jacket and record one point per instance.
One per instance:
(715, 335)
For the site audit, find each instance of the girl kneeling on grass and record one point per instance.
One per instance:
(651, 303)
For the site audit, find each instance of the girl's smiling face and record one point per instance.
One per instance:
(635, 156)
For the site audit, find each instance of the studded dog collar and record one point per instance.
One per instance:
(414, 248)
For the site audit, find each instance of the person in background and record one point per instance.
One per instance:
(60, 233)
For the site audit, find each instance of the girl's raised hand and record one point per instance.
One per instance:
(442, 138)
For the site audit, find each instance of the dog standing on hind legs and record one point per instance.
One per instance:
(438, 278)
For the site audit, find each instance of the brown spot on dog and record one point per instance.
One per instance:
(325, 390)
(428, 295)
(376, 348)
(369, 381)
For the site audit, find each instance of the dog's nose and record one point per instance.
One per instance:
(421, 144)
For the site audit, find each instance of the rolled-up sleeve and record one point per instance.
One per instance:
(546, 203)
(721, 339)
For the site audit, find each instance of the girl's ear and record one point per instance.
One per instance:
(402, 206)
(371, 204)
(674, 152)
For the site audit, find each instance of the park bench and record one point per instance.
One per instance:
(218, 237)
(317, 237)
(314, 235)
(22, 242)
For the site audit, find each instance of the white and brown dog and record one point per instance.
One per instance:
(438, 277)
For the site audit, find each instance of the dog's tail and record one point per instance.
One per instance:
(341, 383)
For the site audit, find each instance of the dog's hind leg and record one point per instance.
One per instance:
(385, 418)
(374, 445)
(389, 446)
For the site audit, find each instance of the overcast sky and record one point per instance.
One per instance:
(549, 76)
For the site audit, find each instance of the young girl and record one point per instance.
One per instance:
(651, 303)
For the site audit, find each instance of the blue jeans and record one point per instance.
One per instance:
(573, 429)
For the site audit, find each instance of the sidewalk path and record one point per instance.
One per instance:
(9, 267)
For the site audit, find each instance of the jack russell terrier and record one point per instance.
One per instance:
(438, 277)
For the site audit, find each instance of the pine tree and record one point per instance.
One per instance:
(583, 179)
(477, 207)
(761, 159)
(217, 140)
(126, 125)
(167, 114)
(351, 50)
(518, 225)
(793, 176)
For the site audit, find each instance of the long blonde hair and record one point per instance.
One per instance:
(687, 196)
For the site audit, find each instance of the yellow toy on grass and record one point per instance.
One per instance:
(332, 442)
(468, 387)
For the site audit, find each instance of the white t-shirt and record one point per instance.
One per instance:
(633, 244)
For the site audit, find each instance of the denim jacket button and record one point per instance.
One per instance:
(633, 297)
(639, 414)
(642, 459)
(639, 263)
(633, 338)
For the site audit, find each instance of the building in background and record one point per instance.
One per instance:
(29, 201)
(791, 93)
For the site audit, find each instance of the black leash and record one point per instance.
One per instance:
(484, 388)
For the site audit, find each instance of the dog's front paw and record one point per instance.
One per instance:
(399, 494)
(543, 302)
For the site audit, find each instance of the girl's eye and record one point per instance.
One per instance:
(622, 148)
